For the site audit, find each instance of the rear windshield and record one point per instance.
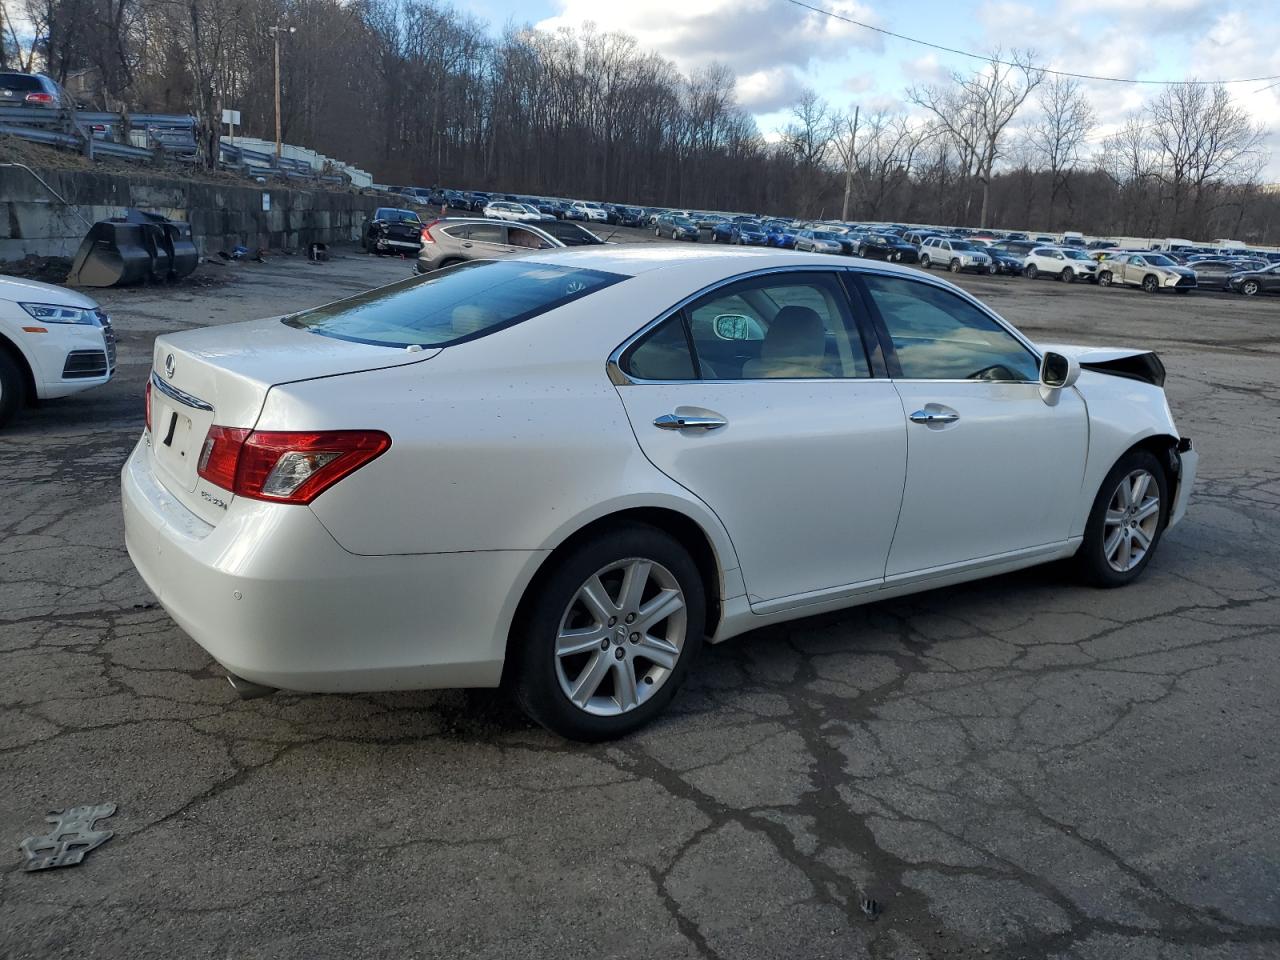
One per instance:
(19, 81)
(453, 305)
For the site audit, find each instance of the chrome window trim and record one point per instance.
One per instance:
(620, 378)
(181, 396)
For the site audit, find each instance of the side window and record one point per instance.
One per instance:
(487, 232)
(778, 326)
(938, 335)
(520, 237)
(663, 354)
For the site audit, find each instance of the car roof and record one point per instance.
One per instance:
(705, 264)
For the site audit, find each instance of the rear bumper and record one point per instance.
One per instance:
(271, 596)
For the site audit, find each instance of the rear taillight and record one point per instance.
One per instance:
(285, 467)
(39, 98)
(426, 232)
(146, 401)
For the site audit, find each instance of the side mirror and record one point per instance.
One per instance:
(1058, 372)
(733, 326)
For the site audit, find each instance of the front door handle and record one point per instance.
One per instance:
(934, 416)
(671, 421)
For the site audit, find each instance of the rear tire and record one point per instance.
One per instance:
(1117, 526)
(1104, 278)
(1249, 288)
(13, 388)
(622, 689)
(1031, 272)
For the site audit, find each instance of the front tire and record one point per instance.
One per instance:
(608, 635)
(1127, 520)
(1104, 278)
(1150, 284)
(13, 388)
(1068, 275)
(955, 267)
(926, 263)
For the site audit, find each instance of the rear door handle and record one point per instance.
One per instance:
(934, 416)
(671, 421)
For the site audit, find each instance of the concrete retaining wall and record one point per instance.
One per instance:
(34, 221)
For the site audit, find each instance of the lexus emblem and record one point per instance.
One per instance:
(169, 366)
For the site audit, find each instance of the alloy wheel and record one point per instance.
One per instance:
(1150, 284)
(1249, 288)
(1130, 525)
(620, 637)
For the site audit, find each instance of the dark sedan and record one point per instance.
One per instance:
(392, 230)
(1251, 282)
(745, 232)
(887, 247)
(1214, 273)
(1004, 260)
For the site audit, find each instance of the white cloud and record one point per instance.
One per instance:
(765, 91)
(748, 35)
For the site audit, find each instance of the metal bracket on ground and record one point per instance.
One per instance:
(70, 839)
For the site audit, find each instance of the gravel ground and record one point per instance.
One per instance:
(1020, 767)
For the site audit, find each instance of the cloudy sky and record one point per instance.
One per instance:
(776, 49)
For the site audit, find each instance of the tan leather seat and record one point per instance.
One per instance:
(795, 346)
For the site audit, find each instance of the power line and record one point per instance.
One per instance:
(1007, 63)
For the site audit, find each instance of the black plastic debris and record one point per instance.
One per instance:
(870, 908)
(136, 248)
(70, 839)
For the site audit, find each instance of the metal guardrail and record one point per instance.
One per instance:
(171, 134)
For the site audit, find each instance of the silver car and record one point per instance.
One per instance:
(446, 242)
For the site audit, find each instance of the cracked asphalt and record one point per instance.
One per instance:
(1020, 767)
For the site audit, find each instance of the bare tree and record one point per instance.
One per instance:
(809, 139)
(1065, 122)
(847, 146)
(1202, 139)
(976, 109)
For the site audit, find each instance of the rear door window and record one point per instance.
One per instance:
(454, 304)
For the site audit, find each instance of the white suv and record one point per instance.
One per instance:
(53, 342)
(581, 210)
(510, 210)
(1063, 263)
(955, 255)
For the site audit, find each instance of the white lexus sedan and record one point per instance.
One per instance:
(563, 471)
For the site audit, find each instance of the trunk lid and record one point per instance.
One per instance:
(221, 375)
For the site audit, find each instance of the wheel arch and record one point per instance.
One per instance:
(11, 349)
(687, 531)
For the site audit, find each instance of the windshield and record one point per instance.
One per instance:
(453, 305)
(749, 225)
(961, 245)
(396, 216)
(682, 222)
(1076, 255)
(1158, 260)
(826, 235)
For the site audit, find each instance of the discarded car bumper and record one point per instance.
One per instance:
(271, 596)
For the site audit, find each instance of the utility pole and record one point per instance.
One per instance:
(850, 160)
(275, 34)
